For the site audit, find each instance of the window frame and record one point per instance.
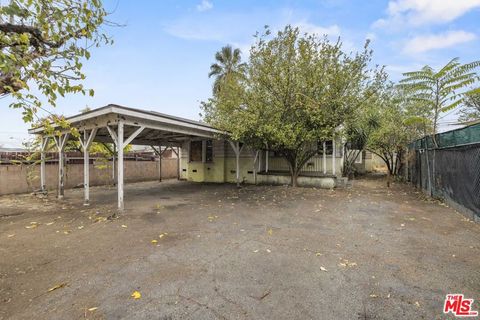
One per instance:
(205, 154)
(328, 148)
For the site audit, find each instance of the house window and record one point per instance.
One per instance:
(209, 151)
(196, 151)
(328, 147)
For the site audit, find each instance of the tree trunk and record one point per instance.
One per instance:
(294, 178)
(293, 174)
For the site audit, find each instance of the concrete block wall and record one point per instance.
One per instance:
(13, 178)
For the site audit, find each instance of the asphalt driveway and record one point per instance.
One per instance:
(208, 251)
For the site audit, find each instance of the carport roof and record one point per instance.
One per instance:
(158, 128)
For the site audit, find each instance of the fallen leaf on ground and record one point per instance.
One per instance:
(58, 286)
(255, 251)
(92, 309)
(80, 227)
(10, 235)
(31, 226)
(136, 295)
(373, 296)
(124, 226)
(268, 250)
(417, 304)
(323, 269)
(49, 223)
(346, 263)
(318, 254)
(270, 231)
(154, 241)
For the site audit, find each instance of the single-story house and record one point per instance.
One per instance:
(204, 153)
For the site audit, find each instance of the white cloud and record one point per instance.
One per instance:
(205, 5)
(425, 43)
(422, 12)
(304, 26)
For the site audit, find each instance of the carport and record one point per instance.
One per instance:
(123, 126)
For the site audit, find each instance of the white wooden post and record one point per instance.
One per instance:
(60, 191)
(43, 149)
(120, 165)
(61, 141)
(113, 163)
(120, 141)
(86, 171)
(324, 157)
(86, 143)
(160, 162)
(333, 157)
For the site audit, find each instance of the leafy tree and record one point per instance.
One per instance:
(43, 45)
(440, 91)
(357, 131)
(393, 130)
(297, 90)
(470, 110)
(228, 64)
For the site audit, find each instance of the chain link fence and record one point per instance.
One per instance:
(451, 171)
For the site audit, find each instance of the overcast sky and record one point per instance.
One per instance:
(161, 58)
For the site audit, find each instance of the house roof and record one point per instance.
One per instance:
(159, 128)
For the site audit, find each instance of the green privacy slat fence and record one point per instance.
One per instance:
(451, 171)
(458, 137)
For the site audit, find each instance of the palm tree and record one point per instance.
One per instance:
(228, 63)
(440, 91)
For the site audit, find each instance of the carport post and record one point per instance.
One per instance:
(43, 147)
(61, 141)
(120, 165)
(86, 143)
(160, 163)
(121, 142)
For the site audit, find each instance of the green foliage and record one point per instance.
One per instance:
(44, 44)
(297, 90)
(439, 91)
(470, 110)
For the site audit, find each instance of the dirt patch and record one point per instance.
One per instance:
(208, 251)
